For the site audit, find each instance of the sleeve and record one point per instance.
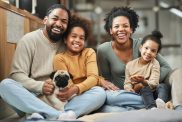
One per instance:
(59, 63)
(127, 82)
(91, 72)
(103, 64)
(21, 66)
(155, 75)
(165, 69)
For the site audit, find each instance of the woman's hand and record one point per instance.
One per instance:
(66, 93)
(108, 85)
(48, 87)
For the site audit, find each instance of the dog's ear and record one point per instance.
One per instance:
(52, 75)
(71, 76)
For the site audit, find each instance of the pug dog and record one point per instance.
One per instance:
(61, 80)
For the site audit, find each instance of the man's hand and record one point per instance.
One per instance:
(108, 85)
(48, 87)
(66, 93)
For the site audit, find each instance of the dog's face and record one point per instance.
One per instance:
(61, 78)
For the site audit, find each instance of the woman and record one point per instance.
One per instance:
(120, 24)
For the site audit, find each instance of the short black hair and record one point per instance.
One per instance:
(55, 6)
(154, 36)
(121, 11)
(78, 21)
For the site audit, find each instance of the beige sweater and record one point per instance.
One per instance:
(150, 71)
(33, 60)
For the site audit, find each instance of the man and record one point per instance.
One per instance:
(31, 67)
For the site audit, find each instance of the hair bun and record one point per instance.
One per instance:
(157, 34)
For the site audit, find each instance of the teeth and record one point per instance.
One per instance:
(121, 35)
(56, 29)
(76, 45)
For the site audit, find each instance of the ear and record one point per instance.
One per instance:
(52, 75)
(64, 41)
(110, 31)
(45, 20)
(71, 76)
(140, 48)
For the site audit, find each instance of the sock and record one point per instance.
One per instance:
(69, 115)
(160, 103)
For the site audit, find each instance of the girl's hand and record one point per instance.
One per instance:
(128, 88)
(66, 93)
(138, 79)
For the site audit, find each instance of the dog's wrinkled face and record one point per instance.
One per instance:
(61, 78)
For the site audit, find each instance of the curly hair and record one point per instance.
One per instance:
(154, 36)
(121, 11)
(77, 21)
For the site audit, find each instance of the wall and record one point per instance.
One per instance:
(14, 23)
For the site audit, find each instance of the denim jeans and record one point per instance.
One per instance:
(121, 100)
(162, 91)
(148, 97)
(22, 100)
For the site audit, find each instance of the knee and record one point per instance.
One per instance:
(146, 89)
(163, 86)
(99, 92)
(5, 83)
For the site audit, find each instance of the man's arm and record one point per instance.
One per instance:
(21, 66)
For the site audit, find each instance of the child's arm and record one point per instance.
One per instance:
(91, 71)
(153, 81)
(127, 83)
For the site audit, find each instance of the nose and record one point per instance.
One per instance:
(121, 28)
(77, 39)
(59, 23)
(148, 51)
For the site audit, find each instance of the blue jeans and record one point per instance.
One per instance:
(119, 101)
(22, 100)
(162, 91)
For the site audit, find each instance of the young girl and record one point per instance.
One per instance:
(143, 73)
(81, 63)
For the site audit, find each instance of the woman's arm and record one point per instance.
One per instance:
(103, 64)
(165, 68)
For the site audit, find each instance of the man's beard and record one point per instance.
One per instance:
(53, 36)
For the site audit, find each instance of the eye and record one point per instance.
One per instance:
(154, 51)
(65, 21)
(116, 26)
(125, 26)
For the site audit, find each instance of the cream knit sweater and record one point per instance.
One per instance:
(33, 60)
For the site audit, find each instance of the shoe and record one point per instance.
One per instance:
(160, 103)
(178, 108)
(153, 108)
(69, 115)
(35, 116)
(169, 105)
